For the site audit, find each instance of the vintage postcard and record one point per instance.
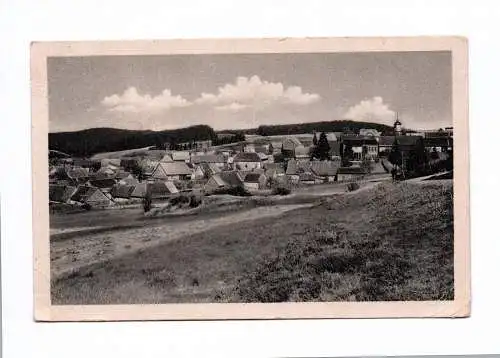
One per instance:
(250, 179)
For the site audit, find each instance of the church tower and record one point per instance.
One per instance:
(397, 126)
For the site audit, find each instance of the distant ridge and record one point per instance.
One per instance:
(97, 140)
(331, 126)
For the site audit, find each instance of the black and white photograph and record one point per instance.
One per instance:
(259, 177)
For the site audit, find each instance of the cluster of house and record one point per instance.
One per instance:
(255, 165)
(161, 173)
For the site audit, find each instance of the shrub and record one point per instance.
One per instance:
(280, 190)
(352, 186)
(236, 191)
(147, 203)
(181, 199)
(195, 201)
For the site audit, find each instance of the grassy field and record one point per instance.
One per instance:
(388, 242)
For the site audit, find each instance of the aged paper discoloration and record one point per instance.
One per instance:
(45, 311)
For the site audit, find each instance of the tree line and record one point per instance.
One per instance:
(97, 140)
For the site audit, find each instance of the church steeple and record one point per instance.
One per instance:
(397, 126)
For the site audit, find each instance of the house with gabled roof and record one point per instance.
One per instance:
(167, 158)
(158, 190)
(124, 177)
(205, 170)
(83, 162)
(351, 173)
(309, 178)
(302, 153)
(438, 144)
(198, 172)
(172, 171)
(147, 167)
(295, 168)
(249, 148)
(181, 156)
(111, 163)
(91, 195)
(102, 181)
(216, 159)
(405, 142)
(246, 161)
(77, 175)
(139, 190)
(107, 171)
(274, 170)
(132, 180)
(122, 174)
(325, 169)
(255, 181)
(60, 193)
(263, 156)
(155, 154)
(229, 179)
(275, 147)
(129, 164)
(162, 190)
(121, 191)
(361, 147)
(290, 143)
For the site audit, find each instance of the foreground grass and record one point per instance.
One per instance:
(392, 242)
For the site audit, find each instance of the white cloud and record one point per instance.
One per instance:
(253, 92)
(131, 101)
(371, 110)
(233, 107)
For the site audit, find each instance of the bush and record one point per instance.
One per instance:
(236, 191)
(352, 186)
(281, 191)
(181, 199)
(147, 203)
(195, 201)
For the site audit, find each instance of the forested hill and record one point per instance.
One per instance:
(96, 140)
(332, 126)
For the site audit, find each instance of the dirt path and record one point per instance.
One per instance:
(68, 255)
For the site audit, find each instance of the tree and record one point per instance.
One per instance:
(147, 201)
(395, 156)
(138, 171)
(323, 147)
(449, 161)
(417, 159)
(315, 140)
(347, 155)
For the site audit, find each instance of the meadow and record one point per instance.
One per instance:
(387, 241)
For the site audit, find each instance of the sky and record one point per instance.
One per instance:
(239, 91)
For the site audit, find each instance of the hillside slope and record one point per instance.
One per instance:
(391, 242)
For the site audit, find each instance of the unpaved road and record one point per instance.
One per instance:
(70, 254)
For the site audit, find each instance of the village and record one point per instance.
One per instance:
(266, 165)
